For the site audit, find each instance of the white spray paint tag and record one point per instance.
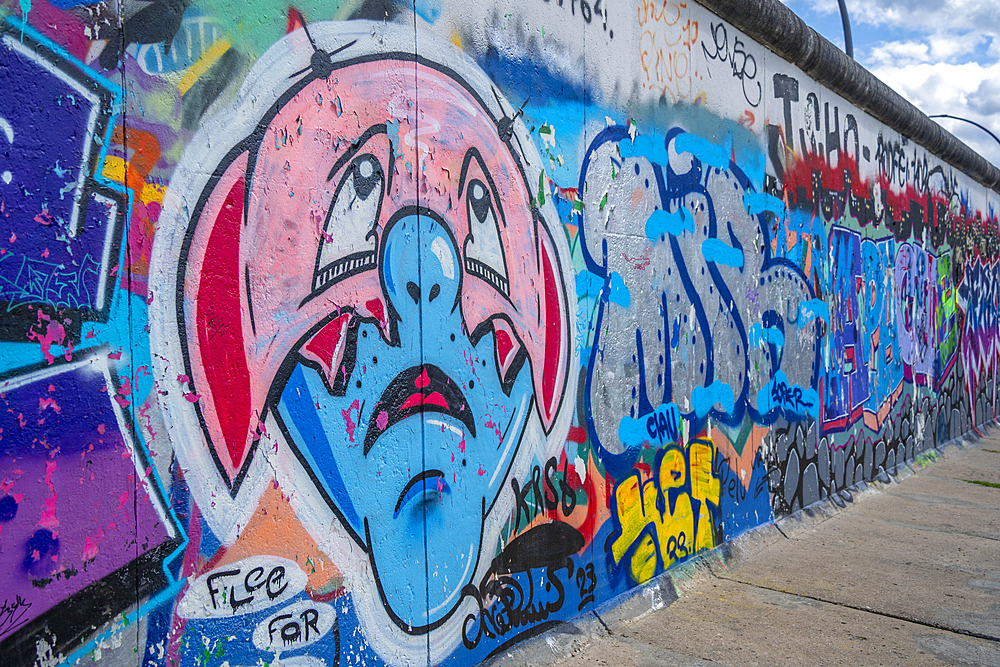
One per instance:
(295, 626)
(243, 587)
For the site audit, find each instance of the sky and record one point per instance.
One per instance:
(941, 55)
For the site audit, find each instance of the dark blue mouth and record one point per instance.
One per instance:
(428, 480)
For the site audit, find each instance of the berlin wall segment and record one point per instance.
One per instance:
(373, 333)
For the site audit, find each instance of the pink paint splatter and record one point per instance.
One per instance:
(48, 519)
(183, 378)
(192, 397)
(382, 420)
(48, 403)
(489, 423)
(351, 425)
(114, 355)
(89, 549)
(481, 471)
(122, 401)
(52, 333)
(144, 411)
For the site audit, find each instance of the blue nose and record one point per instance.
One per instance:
(420, 267)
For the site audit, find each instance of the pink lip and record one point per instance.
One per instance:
(418, 399)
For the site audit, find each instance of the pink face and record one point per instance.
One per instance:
(334, 166)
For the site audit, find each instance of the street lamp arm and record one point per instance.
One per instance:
(972, 122)
(845, 19)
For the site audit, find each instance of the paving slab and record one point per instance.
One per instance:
(884, 556)
(948, 491)
(733, 623)
(973, 463)
(625, 651)
(925, 511)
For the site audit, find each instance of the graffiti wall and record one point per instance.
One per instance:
(361, 332)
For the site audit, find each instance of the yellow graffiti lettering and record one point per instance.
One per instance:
(705, 486)
(642, 565)
(655, 518)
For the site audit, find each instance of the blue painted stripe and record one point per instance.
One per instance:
(714, 155)
(715, 250)
(661, 223)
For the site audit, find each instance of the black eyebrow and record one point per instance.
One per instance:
(473, 152)
(356, 146)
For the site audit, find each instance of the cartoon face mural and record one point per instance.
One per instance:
(368, 278)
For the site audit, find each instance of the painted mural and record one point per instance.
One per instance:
(376, 333)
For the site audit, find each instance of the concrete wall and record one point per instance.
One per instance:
(358, 333)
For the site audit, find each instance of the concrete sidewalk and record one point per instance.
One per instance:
(907, 574)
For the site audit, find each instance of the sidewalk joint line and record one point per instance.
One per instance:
(915, 621)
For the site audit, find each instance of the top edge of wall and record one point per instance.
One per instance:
(778, 28)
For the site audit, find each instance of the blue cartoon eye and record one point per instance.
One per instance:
(484, 255)
(348, 242)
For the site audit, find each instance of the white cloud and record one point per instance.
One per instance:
(981, 16)
(986, 99)
(940, 47)
(907, 51)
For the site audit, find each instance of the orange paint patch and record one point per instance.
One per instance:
(276, 531)
(742, 465)
(874, 420)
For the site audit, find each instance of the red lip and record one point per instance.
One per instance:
(418, 400)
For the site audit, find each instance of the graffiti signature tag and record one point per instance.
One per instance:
(640, 263)
(12, 614)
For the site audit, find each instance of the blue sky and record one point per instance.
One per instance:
(941, 55)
